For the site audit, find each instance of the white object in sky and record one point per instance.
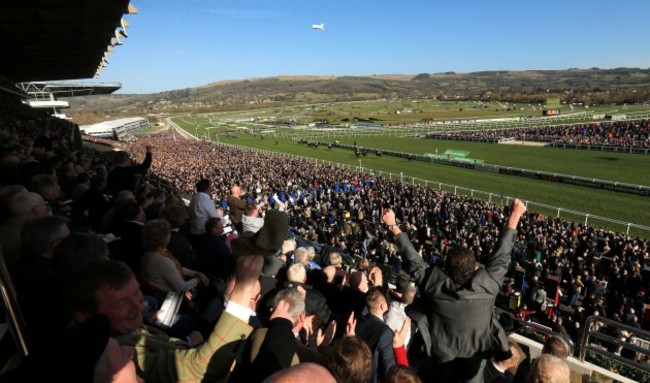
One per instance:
(318, 26)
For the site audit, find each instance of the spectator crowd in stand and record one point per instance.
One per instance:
(622, 134)
(256, 305)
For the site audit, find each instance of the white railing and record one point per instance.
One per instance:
(559, 212)
(639, 346)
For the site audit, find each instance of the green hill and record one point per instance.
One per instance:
(588, 86)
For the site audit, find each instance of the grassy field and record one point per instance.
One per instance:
(601, 165)
(151, 130)
(402, 111)
(590, 164)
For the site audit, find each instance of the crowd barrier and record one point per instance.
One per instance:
(559, 212)
(534, 174)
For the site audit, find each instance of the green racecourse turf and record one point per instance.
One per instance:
(590, 164)
(601, 165)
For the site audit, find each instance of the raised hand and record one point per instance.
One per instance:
(307, 326)
(517, 210)
(376, 276)
(399, 337)
(388, 217)
(325, 338)
(351, 325)
(248, 272)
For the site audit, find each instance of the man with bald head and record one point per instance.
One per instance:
(6, 194)
(547, 368)
(315, 302)
(37, 279)
(21, 207)
(303, 372)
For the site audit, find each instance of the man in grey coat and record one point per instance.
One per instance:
(459, 302)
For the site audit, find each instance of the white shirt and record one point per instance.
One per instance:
(395, 318)
(251, 224)
(201, 208)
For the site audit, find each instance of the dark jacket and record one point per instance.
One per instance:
(122, 177)
(130, 246)
(213, 257)
(181, 248)
(276, 352)
(379, 338)
(461, 320)
(492, 375)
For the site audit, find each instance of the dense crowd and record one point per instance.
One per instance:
(622, 134)
(88, 238)
(342, 209)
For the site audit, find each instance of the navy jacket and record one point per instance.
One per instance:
(379, 338)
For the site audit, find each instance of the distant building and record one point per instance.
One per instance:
(117, 129)
(318, 123)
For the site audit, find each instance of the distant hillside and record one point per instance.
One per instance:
(590, 86)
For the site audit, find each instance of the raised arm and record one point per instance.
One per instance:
(415, 265)
(517, 210)
(145, 165)
(497, 264)
(211, 360)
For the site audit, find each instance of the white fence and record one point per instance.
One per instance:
(558, 212)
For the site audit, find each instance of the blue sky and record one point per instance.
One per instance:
(188, 43)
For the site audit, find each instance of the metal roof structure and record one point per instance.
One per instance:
(59, 39)
(67, 88)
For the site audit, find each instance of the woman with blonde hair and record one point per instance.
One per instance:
(159, 268)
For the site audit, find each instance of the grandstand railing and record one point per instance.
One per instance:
(559, 212)
(600, 148)
(9, 304)
(520, 172)
(595, 334)
(504, 199)
(537, 328)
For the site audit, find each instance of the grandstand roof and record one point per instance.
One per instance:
(69, 88)
(58, 39)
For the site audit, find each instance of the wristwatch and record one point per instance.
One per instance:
(391, 227)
